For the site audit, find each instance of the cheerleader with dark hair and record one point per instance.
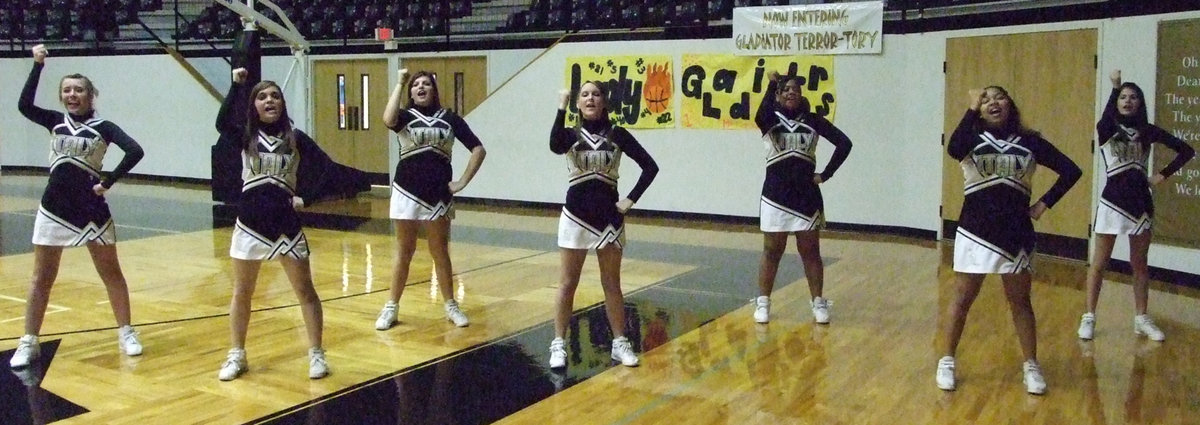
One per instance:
(995, 233)
(1126, 207)
(268, 226)
(423, 188)
(791, 201)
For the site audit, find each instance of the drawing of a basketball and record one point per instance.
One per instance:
(657, 91)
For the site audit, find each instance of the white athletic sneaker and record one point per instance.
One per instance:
(1087, 326)
(622, 351)
(27, 350)
(558, 354)
(762, 309)
(1143, 325)
(317, 366)
(945, 373)
(234, 366)
(1034, 383)
(387, 317)
(127, 339)
(820, 308)
(455, 314)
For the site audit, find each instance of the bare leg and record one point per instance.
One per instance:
(300, 275)
(245, 277)
(610, 280)
(571, 266)
(1095, 274)
(104, 257)
(966, 288)
(773, 245)
(1017, 287)
(406, 245)
(439, 249)
(1139, 248)
(809, 245)
(45, 271)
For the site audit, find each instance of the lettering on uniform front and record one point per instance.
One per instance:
(1125, 151)
(1002, 165)
(74, 146)
(274, 164)
(597, 161)
(801, 142)
(429, 136)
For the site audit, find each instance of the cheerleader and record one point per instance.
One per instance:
(791, 200)
(73, 211)
(267, 226)
(422, 190)
(593, 217)
(995, 233)
(1126, 206)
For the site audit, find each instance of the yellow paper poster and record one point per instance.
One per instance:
(639, 88)
(723, 91)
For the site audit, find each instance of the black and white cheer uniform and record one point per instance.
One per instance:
(590, 219)
(791, 201)
(1126, 206)
(995, 232)
(420, 190)
(267, 224)
(71, 214)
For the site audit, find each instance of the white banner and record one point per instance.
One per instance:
(815, 29)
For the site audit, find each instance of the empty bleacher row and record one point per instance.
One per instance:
(549, 15)
(79, 20)
(338, 19)
(69, 19)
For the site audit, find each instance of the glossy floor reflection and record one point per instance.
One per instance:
(25, 384)
(504, 376)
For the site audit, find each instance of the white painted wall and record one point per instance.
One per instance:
(152, 98)
(891, 107)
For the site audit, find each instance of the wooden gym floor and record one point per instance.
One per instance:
(688, 287)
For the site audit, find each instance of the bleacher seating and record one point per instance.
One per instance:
(720, 9)
(69, 20)
(75, 20)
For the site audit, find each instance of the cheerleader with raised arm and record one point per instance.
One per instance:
(1126, 207)
(593, 216)
(423, 188)
(73, 211)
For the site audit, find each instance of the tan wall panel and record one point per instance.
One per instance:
(363, 143)
(474, 80)
(325, 118)
(371, 144)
